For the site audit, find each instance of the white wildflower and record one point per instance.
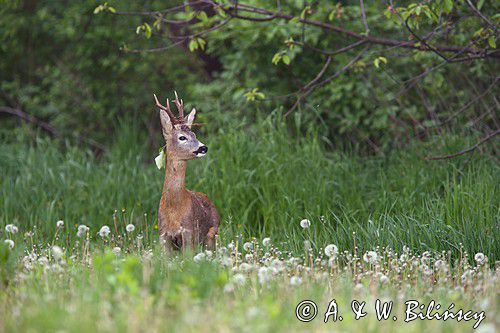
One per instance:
(249, 257)
(239, 279)
(370, 257)
(199, 257)
(467, 276)
(305, 223)
(57, 252)
(60, 223)
(11, 229)
(266, 241)
(43, 261)
(439, 264)
(295, 281)
(384, 279)
(130, 228)
(226, 261)
(248, 246)
(105, 231)
(479, 257)
(244, 267)
(116, 250)
(82, 230)
(228, 288)
(331, 250)
(209, 254)
(264, 274)
(10, 243)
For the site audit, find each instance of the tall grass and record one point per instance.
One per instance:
(263, 182)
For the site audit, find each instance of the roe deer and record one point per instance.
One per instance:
(186, 218)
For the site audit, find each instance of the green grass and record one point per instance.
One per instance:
(263, 182)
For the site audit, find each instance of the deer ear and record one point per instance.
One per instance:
(166, 124)
(191, 116)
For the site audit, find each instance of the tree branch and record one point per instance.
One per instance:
(271, 15)
(465, 151)
(46, 126)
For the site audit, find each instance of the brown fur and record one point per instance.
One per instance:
(186, 219)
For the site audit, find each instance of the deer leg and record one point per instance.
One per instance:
(167, 243)
(187, 241)
(210, 238)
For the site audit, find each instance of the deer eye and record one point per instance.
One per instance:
(182, 138)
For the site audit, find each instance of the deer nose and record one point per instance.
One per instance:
(203, 149)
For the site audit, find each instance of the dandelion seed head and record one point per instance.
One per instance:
(479, 257)
(331, 250)
(239, 279)
(248, 246)
(130, 228)
(370, 257)
(11, 229)
(10, 243)
(57, 252)
(266, 241)
(104, 231)
(82, 230)
(305, 223)
(60, 223)
(384, 279)
(264, 274)
(228, 288)
(199, 257)
(116, 250)
(295, 280)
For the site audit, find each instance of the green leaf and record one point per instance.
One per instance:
(480, 4)
(253, 94)
(377, 61)
(447, 6)
(193, 45)
(98, 9)
(201, 42)
(286, 59)
(296, 19)
(221, 12)
(202, 16)
(147, 30)
(160, 159)
(306, 10)
(277, 58)
(492, 42)
(331, 16)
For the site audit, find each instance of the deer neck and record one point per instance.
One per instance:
(174, 187)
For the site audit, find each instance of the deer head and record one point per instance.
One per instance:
(181, 142)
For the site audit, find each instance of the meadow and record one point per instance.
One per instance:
(301, 220)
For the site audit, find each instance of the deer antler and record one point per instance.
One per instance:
(179, 103)
(166, 109)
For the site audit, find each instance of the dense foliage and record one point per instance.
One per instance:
(82, 65)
